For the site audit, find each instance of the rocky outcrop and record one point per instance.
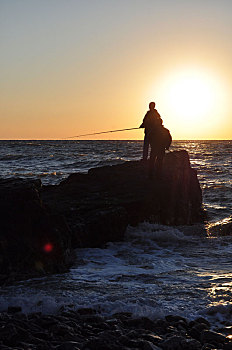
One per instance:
(99, 205)
(41, 224)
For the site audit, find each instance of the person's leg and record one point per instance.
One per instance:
(152, 161)
(145, 147)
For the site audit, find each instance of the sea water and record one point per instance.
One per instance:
(157, 270)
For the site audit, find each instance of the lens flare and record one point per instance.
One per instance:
(48, 247)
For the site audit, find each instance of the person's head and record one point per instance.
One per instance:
(152, 105)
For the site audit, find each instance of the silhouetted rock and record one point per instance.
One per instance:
(25, 230)
(99, 205)
(40, 224)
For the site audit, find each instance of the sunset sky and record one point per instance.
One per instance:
(70, 67)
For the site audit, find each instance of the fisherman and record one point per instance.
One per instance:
(158, 137)
(151, 121)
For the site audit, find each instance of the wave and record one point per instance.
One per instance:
(11, 157)
(219, 312)
(157, 233)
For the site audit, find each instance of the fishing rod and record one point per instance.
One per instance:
(102, 132)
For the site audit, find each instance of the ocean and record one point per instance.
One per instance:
(157, 270)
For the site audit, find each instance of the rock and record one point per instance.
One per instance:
(98, 344)
(24, 345)
(62, 329)
(221, 228)
(14, 309)
(225, 330)
(175, 319)
(99, 205)
(122, 315)
(146, 345)
(203, 320)
(200, 320)
(26, 229)
(45, 322)
(227, 346)
(177, 342)
(210, 336)
(69, 345)
(41, 335)
(86, 311)
(152, 338)
(142, 323)
(196, 330)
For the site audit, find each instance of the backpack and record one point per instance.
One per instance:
(166, 138)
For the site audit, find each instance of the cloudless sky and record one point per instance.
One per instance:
(69, 67)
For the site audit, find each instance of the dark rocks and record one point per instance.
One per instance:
(75, 331)
(70, 345)
(141, 323)
(177, 342)
(208, 336)
(174, 319)
(14, 309)
(40, 225)
(26, 229)
(99, 205)
(203, 320)
(221, 228)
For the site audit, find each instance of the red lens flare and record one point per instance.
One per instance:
(48, 248)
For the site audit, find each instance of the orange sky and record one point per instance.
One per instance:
(69, 68)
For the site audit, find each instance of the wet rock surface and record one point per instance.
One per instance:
(221, 228)
(84, 329)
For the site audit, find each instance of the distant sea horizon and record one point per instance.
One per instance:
(70, 139)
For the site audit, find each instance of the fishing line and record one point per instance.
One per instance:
(97, 133)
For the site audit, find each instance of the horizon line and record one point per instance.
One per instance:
(61, 139)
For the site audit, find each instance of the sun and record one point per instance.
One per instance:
(192, 101)
(191, 96)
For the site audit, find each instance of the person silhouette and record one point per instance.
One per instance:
(157, 141)
(151, 121)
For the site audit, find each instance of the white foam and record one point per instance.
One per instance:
(219, 312)
(155, 232)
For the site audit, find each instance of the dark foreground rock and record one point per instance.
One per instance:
(85, 330)
(39, 225)
(27, 231)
